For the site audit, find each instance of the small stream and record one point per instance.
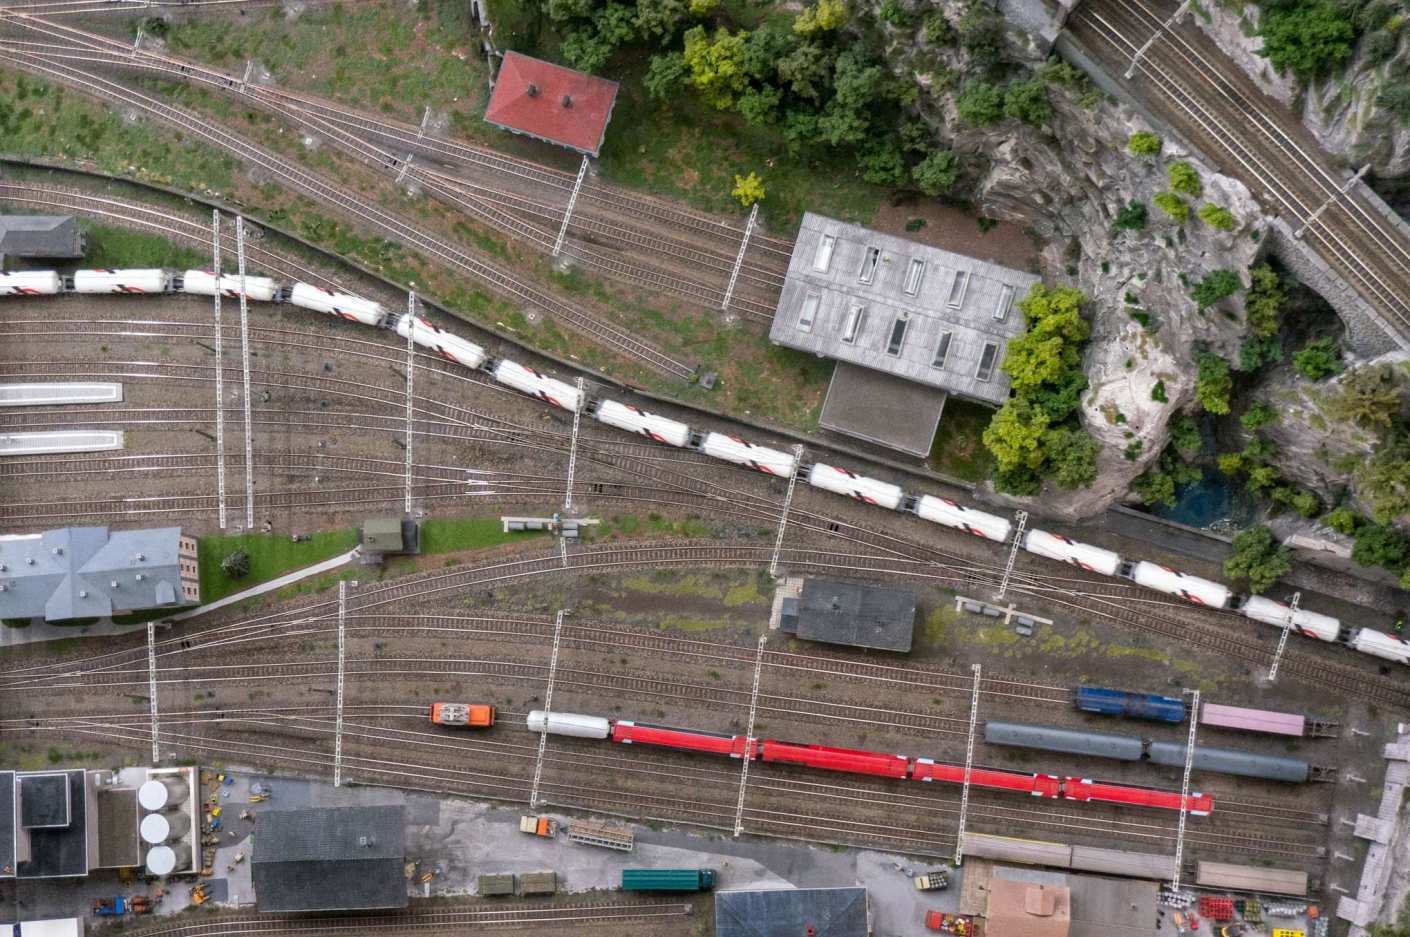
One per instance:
(1212, 503)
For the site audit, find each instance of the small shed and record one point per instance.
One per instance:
(818, 912)
(836, 611)
(383, 536)
(40, 236)
(330, 859)
(551, 103)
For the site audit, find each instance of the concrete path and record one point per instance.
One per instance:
(270, 586)
(43, 631)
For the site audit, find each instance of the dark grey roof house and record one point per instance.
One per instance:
(917, 322)
(40, 236)
(84, 572)
(330, 859)
(44, 824)
(794, 912)
(838, 611)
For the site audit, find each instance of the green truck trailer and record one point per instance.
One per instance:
(667, 879)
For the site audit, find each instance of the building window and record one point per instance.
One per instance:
(823, 258)
(809, 311)
(1001, 310)
(942, 351)
(915, 273)
(986, 361)
(870, 260)
(898, 335)
(958, 288)
(852, 325)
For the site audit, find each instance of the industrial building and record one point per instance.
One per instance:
(816, 912)
(551, 103)
(330, 859)
(907, 324)
(1032, 902)
(40, 237)
(52, 927)
(837, 611)
(91, 572)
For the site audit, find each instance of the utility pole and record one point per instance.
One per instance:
(547, 708)
(152, 685)
(739, 258)
(749, 736)
(787, 503)
(1174, 18)
(568, 212)
(245, 365)
(342, 665)
(410, 367)
(968, 764)
(219, 373)
(573, 449)
(1185, 789)
(1312, 219)
(1020, 522)
(1283, 639)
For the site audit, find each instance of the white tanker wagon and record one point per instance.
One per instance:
(952, 514)
(858, 487)
(121, 281)
(31, 283)
(1067, 550)
(736, 450)
(634, 420)
(1311, 624)
(536, 384)
(342, 305)
(203, 283)
(446, 344)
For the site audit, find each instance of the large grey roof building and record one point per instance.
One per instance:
(44, 829)
(792, 912)
(85, 572)
(330, 859)
(40, 236)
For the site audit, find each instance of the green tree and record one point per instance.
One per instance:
(1173, 205)
(856, 87)
(666, 76)
(748, 189)
(981, 31)
(1369, 397)
(1258, 558)
(1384, 546)
(1016, 436)
(805, 70)
(1185, 179)
(1072, 456)
(1028, 101)
(1144, 143)
(937, 173)
(1214, 383)
(1310, 38)
(236, 565)
(660, 17)
(1258, 414)
(1216, 285)
(764, 48)
(1344, 521)
(1216, 217)
(1383, 480)
(979, 103)
(1318, 359)
(1051, 346)
(881, 162)
(823, 16)
(1395, 97)
(1184, 433)
(716, 68)
(1254, 353)
(937, 30)
(1130, 217)
(1264, 301)
(759, 106)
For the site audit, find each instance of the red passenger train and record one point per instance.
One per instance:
(880, 764)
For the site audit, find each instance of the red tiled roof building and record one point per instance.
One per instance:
(551, 103)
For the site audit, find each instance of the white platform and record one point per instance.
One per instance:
(51, 393)
(73, 440)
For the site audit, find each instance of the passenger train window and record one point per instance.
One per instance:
(870, 260)
(898, 335)
(915, 273)
(1001, 310)
(823, 258)
(958, 288)
(809, 311)
(852, 325)
(986, 361)
(942, 351)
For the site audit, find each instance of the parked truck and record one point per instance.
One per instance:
(668, 879)
(467, 715)
(110, 907)
(933, 880)
(544, 826)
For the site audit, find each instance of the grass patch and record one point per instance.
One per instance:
(118, 247)
(452, 535)
(270, 556)
(958, 450)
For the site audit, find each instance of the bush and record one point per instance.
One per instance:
(1216, 285)
(1310, 38)
(1378, 545)
(1318, 359)
(1072, 456)
(1258, 558)
(937, 173)
(1184, 433)
(1027, 101)
(1158, 483)
(1380, 47)
(1214, 383)
(1264, 301)
(1254, 353)
(981, 31)
(666, 77)
(1344, 521)
(1185, 179)
(1383, 480)
(1258, 414)
(937, 30)
(1216, 217)
(748, 189)
(1368, 397)
(1130, 217)
(824, 16)
(1173, 205)
(1016, 435)
(1158, 393)
(1144, 143)
(1395, 97)
(980, 103)
(236, 565)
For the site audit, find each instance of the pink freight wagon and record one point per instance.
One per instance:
(1252, 720)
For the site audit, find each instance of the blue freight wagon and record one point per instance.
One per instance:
(1095, 699)
(667, 879)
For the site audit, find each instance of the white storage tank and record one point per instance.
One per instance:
(31, 283)
(152, 795)
(1382, 645)
(120, 281)
(624, 416)
(1312, 624)
(203, 283)
(952, 514)
(342, 305)
(446, 344)
(161, 860)
(867, 490)
(536, 384)
(575, 724)
(1173, 582)
(736, 450)
(154, 829)
(1067, 550)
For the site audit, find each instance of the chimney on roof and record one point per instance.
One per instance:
(141, 557)
(58, 551)
(533, 90)
(568, 101)
(83, 593)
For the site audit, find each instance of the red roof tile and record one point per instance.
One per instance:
(552, 103)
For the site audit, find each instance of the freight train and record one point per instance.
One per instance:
(853, 761)
(726, 448)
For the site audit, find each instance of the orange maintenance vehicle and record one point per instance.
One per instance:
(470, 715)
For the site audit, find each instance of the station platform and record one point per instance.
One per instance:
(51, 393)
(61, 441)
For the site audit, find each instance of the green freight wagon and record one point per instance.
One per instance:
(538, 883)
(502, 884)
(667, 879)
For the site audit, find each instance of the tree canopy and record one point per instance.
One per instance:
(1258, 558)
(1310, 38)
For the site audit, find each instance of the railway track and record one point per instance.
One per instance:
(1205, 96)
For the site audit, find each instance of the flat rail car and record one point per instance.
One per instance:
(1253, 720)
(1244, 878)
